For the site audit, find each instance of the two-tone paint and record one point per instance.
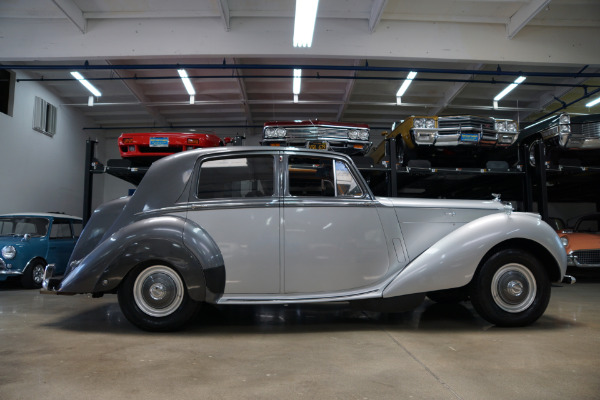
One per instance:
(293, 249)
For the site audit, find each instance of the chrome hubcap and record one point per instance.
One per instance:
(158, 291)
(514, 288)
(38, 274)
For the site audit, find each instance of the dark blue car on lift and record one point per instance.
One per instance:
(30, 241)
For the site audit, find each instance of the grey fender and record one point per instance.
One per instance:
(452, 261)
(156, 239)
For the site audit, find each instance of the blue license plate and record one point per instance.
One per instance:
(159, 142)
(469, 137)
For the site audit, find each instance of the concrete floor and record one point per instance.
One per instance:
(56, 347)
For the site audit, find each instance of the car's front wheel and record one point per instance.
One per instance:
(33, 275)
(511, 288)
(154, 298)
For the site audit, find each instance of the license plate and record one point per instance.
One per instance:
(159, 142)
(469, 137)
(317, 145)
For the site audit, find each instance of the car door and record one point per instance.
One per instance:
(60, 244)
(333, 237)
(236, 201)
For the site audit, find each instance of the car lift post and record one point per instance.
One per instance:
(540, 174)
(527, 179)
(88, 179)
(390, 150)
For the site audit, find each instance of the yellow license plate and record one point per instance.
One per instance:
(317, 145)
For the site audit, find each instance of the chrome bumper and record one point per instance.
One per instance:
(568, 279)
(49, 282)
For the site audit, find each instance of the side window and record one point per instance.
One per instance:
(61, 229)
(236, 177)
(77, 228)
(311, 176)
(346, 185)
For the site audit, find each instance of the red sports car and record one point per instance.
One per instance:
(153, 145)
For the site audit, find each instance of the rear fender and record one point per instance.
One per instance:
(151, 240)
(452, 261)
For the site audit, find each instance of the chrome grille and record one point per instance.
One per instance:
(587, 257)
(314, 132)
(468, 123)
(590, 130)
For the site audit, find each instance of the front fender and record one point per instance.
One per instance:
(150, 240)
(452, 261)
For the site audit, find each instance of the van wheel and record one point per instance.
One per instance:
(154, 298)
(511, 289)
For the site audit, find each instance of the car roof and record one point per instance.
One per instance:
(36, 214)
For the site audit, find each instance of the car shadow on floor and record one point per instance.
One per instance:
(305, 318)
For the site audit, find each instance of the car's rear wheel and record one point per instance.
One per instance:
(33, 275)
(511, 288)
(154, 298)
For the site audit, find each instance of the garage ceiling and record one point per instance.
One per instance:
(240, 57)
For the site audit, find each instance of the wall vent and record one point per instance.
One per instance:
(44, 117)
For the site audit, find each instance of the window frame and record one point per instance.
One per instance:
(226, 155)
(366, 193)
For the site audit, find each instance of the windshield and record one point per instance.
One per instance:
(19, 226)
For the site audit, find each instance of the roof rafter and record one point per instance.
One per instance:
(73, 12)
(524, 15)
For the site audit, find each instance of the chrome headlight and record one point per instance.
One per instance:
(270, 133)
(9, 252)
(353, 134)
(511, 126)
(280, 132)
(564, 119)
(419, 123)
(564, 240)
(429, 123)
(565, 128)
(363, 135)
(501, 126)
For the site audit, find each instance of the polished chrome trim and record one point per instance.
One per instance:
(298, 298)
(325, 202)
(568, 279)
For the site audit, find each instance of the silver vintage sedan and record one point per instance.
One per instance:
(258, 225)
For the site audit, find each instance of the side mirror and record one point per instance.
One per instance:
(26, 237)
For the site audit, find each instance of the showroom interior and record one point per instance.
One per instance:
(371, 62)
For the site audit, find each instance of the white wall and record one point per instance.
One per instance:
(41, 173)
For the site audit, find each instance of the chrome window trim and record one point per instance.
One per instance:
(193, 196)
(367, 195)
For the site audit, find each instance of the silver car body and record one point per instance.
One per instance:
(277, 241)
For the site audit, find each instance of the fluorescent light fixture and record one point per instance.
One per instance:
(91, 101)
(85, 83)
(297, 81)
(192, 99)
(296, 101)
(509, 88)
(186, 82)
(593, 102)
(405, 85)
(304, 23)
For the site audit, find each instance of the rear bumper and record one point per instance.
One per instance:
(51, 283)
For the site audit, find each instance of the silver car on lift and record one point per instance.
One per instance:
(258, 225)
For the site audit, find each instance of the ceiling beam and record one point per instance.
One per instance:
(137, 91)
(223, 6)
(524, 15)
(347, 92)
(74, 13)
(243, 92)
(454, 91)
(376, 13)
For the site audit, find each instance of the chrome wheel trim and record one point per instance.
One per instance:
(514, 288)
(158, 291)
(38, 274)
